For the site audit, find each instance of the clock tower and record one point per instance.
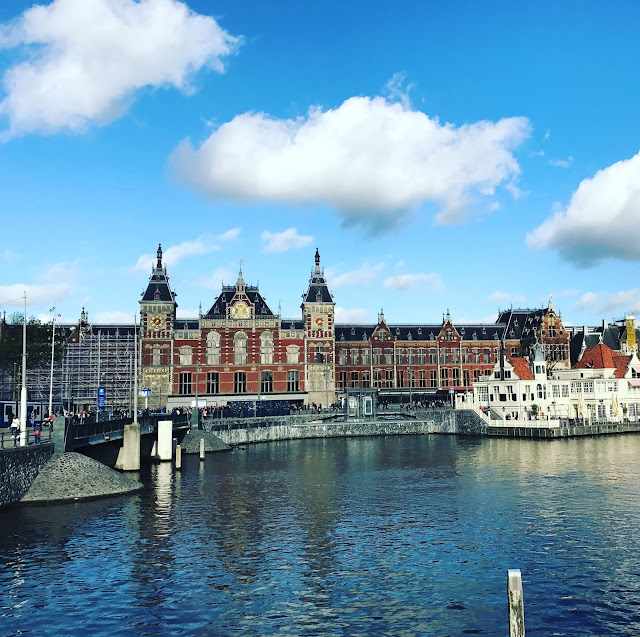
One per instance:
(157, 317)
(318, 314)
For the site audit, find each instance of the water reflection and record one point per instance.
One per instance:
(396, 535)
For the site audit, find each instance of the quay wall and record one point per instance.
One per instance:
(19, 467)
(445, 421)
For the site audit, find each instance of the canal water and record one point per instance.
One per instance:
(404, 535)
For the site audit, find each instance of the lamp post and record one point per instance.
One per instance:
(23, 390)
(53, 343)
(410, 378)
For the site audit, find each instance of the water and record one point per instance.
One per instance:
(407, 535)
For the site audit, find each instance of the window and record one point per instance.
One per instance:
(486, 356)
(433, 379)
(455, 356)
(399, 378)
(366, 358)
(266, 348)
(539, 389)
(293, 380)
(186, 355)
(377, 356)
(388, 377)
(388, 357)
(555, 391)
(399, 357)
(342, 357)
(240, 349)
(266, 382)
(213, 383)
(156, 355)
(433, 356)
(456, 376)
(213, 348)
(411, 378)
(443, 356)
(565, 391)
(514, 351)
(444, 374)
(476, 355)
(293, 354)
(466, 378)
(319, 355)
(465, 355)
(422, 378)
(588, 387)
(366, 379)
(476, 375)
(410, 357)
(240, 382)
(184, 386)
(354, 379)
(342, 382)
(354, 357)
(377, 378)
(422, 356)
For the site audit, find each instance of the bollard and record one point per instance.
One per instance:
(178, 457)
(201, 448)
(516, 603)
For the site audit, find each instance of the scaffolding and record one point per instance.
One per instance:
(94, 357)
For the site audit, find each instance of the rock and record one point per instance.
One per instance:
(70, 477)
(191, 442)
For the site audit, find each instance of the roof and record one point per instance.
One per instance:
(622, 364)
(420, 332)
(219, 307)
(318, 291)
(158, 288)
(521, 367)
(598, 357)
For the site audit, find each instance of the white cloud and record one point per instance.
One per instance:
(365, 275)
(411, 281)
(372, 160)
(284, 241)
(601, 221)
(185, 313)
(12, 295)
(217, 278)
(623, 302)
(537, 153)
(91, 57)
(114, 316)
(355, 315)
(501, 297)
(562, 163)
(204, 244)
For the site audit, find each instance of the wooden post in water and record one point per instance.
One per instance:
(516, 603)
(201, 448)
(178, 457)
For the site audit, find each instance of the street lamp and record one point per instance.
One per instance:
(23, 390)
(410, 378)
(53, 343)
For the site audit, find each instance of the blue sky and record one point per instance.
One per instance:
(464, 156)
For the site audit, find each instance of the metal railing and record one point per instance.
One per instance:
(8, 440)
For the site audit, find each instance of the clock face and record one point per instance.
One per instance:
(156, 322)
(240, 310)
(319, 321)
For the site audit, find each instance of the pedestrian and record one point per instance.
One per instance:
(36, 434)
(13, 425)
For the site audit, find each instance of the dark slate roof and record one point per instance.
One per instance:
(521, 323)
(158, 288)
(186, 324)
(291, 324)
(318, 291)
(219, 308)
(487, 331)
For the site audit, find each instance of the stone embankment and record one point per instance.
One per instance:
(71, 477)
(19, 467)
(191, 442)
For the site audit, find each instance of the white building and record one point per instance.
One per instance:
(602, 386)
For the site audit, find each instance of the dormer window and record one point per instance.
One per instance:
(484, 330)
(353, 331)
(156, 295)
(420, 331)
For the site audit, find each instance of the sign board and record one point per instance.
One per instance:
(146, 392)
(451, 391)
(101, 396)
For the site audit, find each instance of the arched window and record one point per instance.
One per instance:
(213, 348)
(266, 348)
(293, 354)
(240, 348)
(539, 390)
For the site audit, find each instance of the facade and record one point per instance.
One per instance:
(602, 386)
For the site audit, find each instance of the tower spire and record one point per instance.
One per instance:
(317, 261)
(159, 254)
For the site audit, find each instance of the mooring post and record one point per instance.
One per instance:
(201, 448)
(516, 603)
(178, 457)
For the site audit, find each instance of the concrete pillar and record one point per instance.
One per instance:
(178, 457)
(165, 440)
(201, 448)
(129, 456)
